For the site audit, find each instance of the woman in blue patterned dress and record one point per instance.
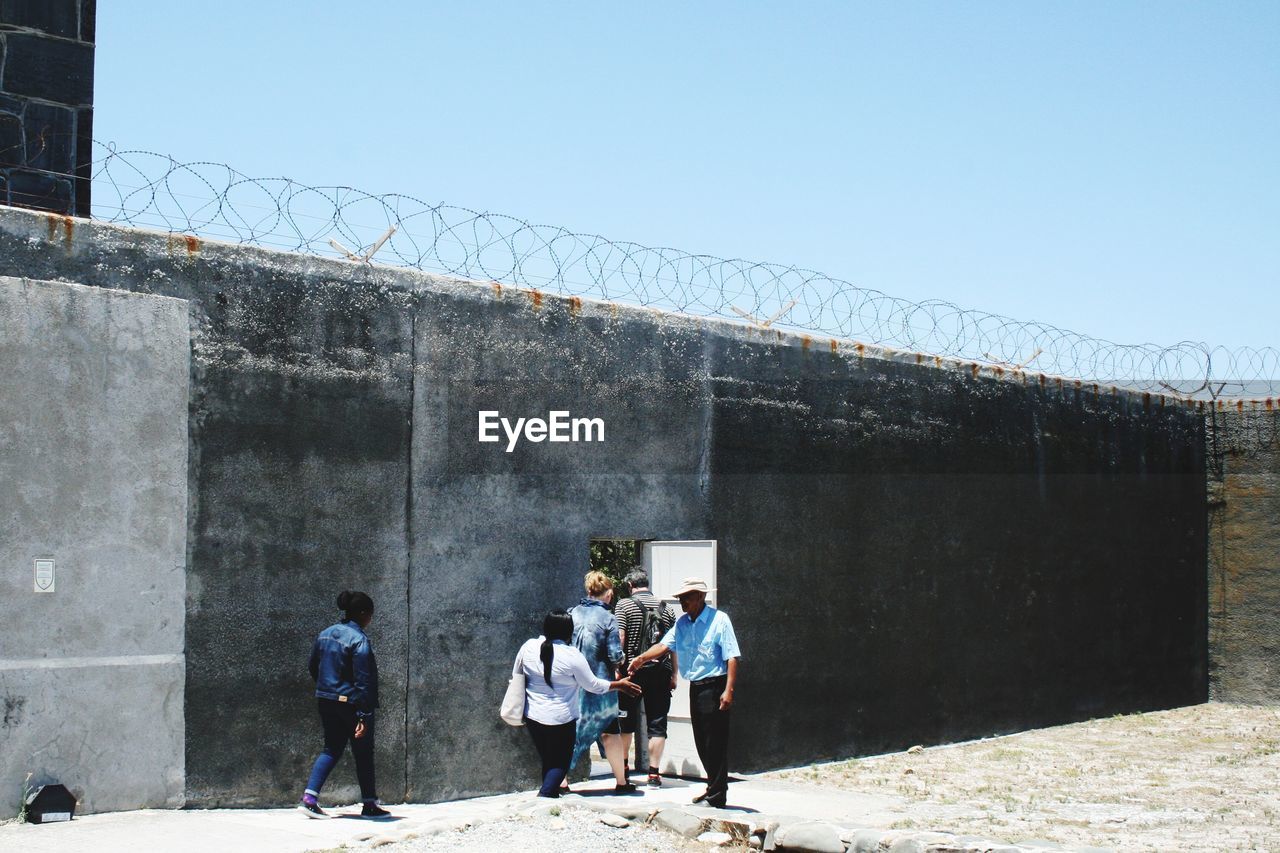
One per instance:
(595, 634)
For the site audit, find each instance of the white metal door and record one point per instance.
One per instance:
(667, 564)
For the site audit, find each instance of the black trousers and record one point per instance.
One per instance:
(555, 748)
(711, 735)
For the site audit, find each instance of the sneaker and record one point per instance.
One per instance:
(655, 781)
(312, 810)
(374, 810)
(628, 788)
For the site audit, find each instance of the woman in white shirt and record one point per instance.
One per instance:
(553, 672)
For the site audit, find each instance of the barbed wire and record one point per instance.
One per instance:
(213, 200)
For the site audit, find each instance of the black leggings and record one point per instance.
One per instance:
(555, 747)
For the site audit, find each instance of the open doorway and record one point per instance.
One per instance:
(667, 563)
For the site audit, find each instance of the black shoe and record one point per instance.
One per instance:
(717, 804)
(700, 797)
(628, 788)
(312, 810)
(374, 810)
(655, 781)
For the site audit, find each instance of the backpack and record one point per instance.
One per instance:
(651, 631)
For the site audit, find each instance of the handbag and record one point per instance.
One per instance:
(512, 711)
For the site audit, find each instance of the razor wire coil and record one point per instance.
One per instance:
(213, 200)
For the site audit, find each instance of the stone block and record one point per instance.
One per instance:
(810, 836)
(865, 841)
(12, 148)
(39, 191)
(55, 17)
(50, 137)
(617, 821)
(739, 830)
(88, 20)
(716, 838)
(908, 844)
(51, 69)
(679, 822)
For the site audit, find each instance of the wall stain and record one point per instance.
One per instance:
(13, 708)
(187, 243)
(68, 229)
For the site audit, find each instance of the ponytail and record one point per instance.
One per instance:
(548, 654)
(557, 626)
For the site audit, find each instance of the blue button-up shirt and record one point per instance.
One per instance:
(704, 646)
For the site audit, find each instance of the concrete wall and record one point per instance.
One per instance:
(1244, 554)
(93, 455)
(917, 555)
(46, 103)
(913, 552)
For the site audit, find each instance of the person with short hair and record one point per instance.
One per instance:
(554, 673)
(346, 676)
(595, 634)
(642, 619)
(707, 651)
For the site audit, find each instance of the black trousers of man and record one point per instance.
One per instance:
(711, 735)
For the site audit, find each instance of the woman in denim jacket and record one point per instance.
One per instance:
(346, 675)
(595, 634)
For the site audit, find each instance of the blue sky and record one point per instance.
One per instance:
(1112, 168)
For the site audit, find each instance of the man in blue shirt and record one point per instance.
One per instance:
(707, 652)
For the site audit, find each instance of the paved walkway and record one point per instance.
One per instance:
(288, 831)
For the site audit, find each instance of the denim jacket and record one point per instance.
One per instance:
(344, 669)
(595, 634)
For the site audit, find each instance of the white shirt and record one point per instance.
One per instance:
(557, 704)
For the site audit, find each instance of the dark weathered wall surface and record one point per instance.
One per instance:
(299, 449)
(46, 103)
(929, 557)
(1244, 555)
(911, 553)
(500, 538)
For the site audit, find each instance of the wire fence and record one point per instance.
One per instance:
(215, 201)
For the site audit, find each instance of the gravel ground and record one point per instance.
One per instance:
(1200, 778)
(574, 830)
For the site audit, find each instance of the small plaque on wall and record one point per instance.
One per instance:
(44, 575)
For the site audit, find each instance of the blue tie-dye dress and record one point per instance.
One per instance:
(595, 634)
